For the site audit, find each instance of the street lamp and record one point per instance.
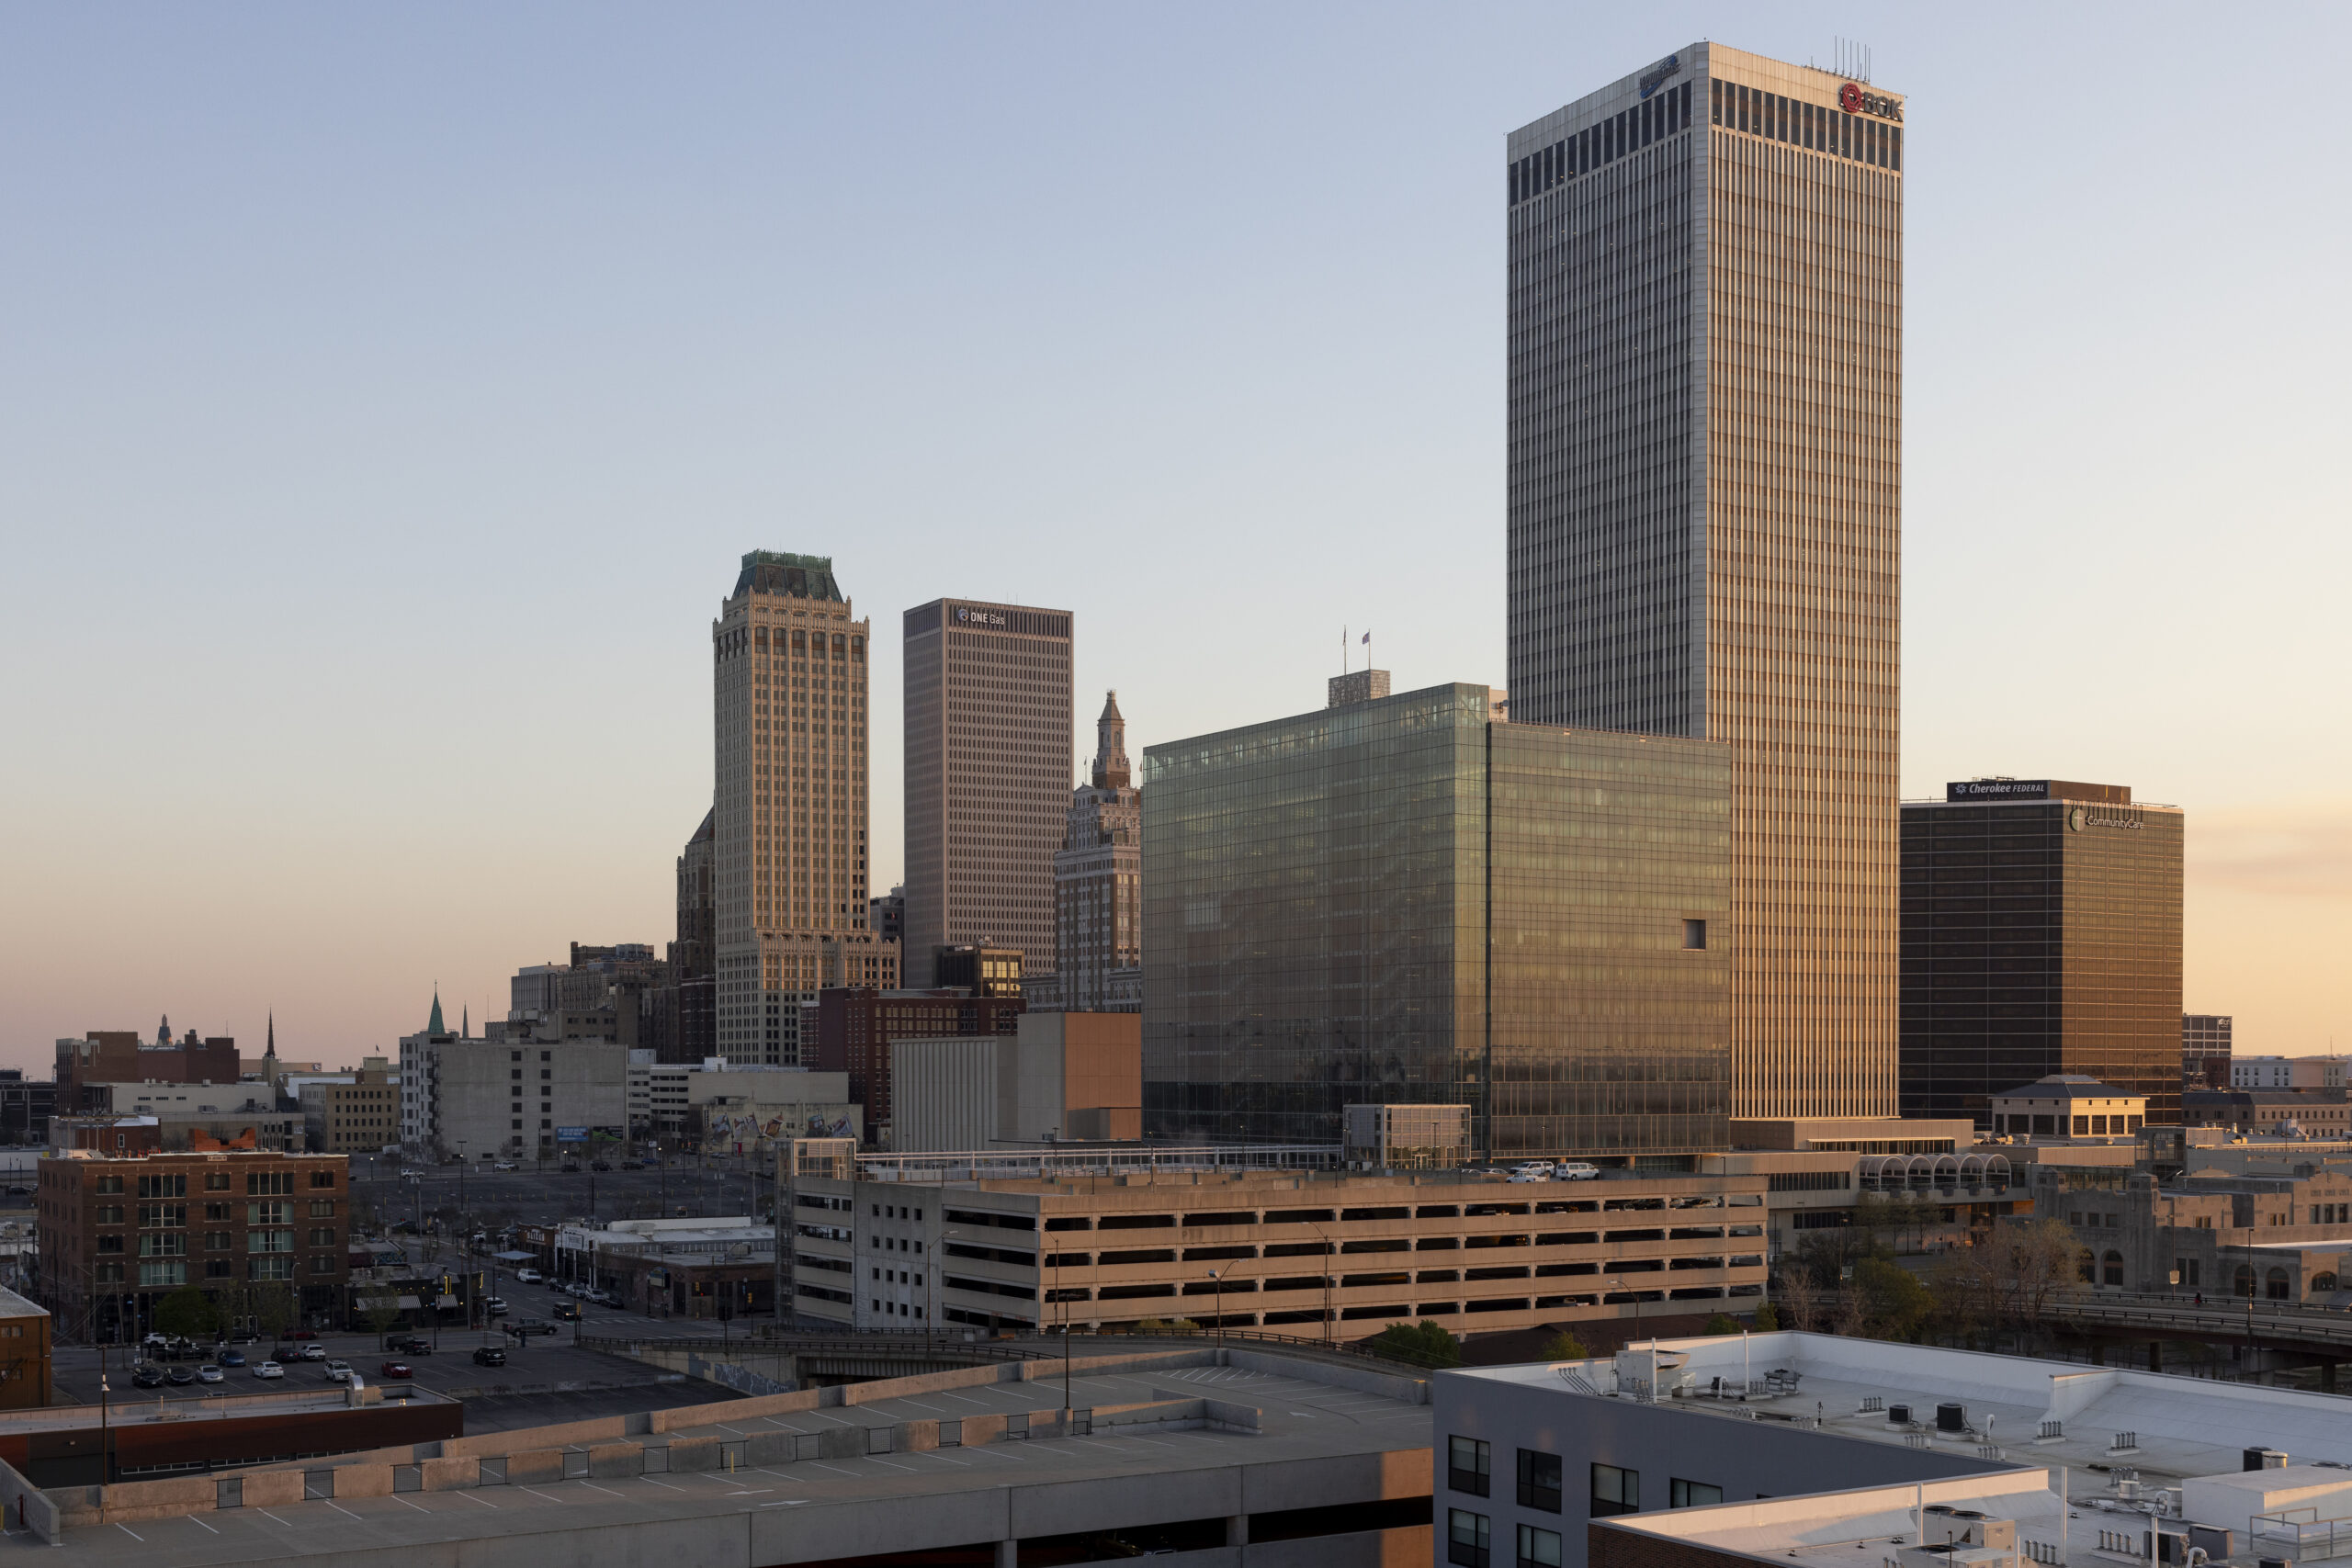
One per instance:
(1217, 1276)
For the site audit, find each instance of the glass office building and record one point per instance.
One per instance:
(2041, 934)
(1404, 900)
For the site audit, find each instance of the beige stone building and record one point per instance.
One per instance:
(789, 871)
(357, 1117)
(1098, 882)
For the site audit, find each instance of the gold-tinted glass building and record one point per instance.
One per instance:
(1405, 900)
(789, 863)
(1705, 486)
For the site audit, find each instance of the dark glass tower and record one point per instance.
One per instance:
(2041, 934)
(1402, 900)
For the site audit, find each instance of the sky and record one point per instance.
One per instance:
(387, 395)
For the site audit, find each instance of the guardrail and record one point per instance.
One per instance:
(2222, 1320)
(1028, 1346)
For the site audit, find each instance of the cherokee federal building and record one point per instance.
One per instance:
(1705, 501)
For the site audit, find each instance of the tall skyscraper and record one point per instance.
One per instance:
(788, 828)
(1098, 882)
(1705, 496)
(2041, 927)
(987, 756)
(2205, 1050)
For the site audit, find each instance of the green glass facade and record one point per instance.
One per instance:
(1402, 900)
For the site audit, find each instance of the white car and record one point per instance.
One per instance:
(504, 1164)
(314, 1352)
(527, 1276)
(1576, 1170)
(338, 1371)
(209, 1374)
(1529, 1176)
(269, 1369)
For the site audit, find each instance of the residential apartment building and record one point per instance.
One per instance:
(1404, 899)
(2042, 933)
(856, 1023)
(788, 836)
(1705, 506)
(1098, 882)
(1318, 1255)
(987, 770)
(25, 1106)
(2205, 1050)
(519, 1100)
(117, 1233)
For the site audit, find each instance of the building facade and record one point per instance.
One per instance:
(987, 769)
(526, 1100)
(2042, 933)
(2068, 1106)
(691, 1013)
(2287, 1072)
(1098, 881)
(1403, 900)
(118, 1234)
(359, 1115)
(1706, 504)
(105, 1056)
(856, 1023)
(2205, 1050)
(788, 834)
(2275, 1238)
(1330, 1257)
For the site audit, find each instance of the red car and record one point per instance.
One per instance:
(395, 1369)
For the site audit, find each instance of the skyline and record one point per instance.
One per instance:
(369, 470)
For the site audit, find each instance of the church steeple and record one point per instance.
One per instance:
(434, 1025)
(270, 1049)
(1110, 746)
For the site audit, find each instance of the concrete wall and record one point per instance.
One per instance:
(944, 1093)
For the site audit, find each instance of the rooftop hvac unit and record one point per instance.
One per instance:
(1952, 1418)
(2265, 1458)
(1898, 1416)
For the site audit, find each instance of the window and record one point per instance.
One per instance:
(269, 1241)
(114, 1244)
(269, 1183)
(110, 1184)
(1694, 934)
(1681, 1494)
(163, 1186)
(322, 1265)
(1539, 1481)
(217, 1241)
(1467, 1465)
(163, 1273)
(1615, 1491)
(323, 1178)
(321, 1236)
(1538, 1548)
(269, 1213)
(2114, 1268)
(216, 1181)
(322, 1208)
(1467, 1538)
(269, 1269)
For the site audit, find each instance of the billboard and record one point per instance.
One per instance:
(572, 1134)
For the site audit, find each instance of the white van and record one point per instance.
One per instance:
(1576, 1170)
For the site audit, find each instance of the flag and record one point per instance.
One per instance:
(1367, 639)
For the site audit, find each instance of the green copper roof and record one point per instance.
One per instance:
(436, 1026)
(780, 572)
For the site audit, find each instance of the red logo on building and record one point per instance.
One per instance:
(1850, 98)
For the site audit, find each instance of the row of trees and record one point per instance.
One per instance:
(1847, 1281)
(269, 1307)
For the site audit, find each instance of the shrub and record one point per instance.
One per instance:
(1564, 1347)
(1424, 1342)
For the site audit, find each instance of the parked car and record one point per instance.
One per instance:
(600, 1165)
(147, 1374)
(302, 1333)
(495, 1306)
(489, 1355)
(571, 1168)
(632, 1165)
(338, 1371)
(269, 1369)
(504, 1164)
(244, 1336)
(415, 1345)
(394, 1370)
(528, 1277)
(182, 1346)
(522, 1327)
(567, 1310)
(155, 1341)
(314, 1351)
(1578, 1170)
(233, 1357)
(180, 1377)
(209, 1374)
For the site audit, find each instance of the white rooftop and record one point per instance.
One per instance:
(2166, 1427)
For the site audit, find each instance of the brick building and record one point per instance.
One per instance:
(110, 1056)
(856, 1023)
(120, 1231)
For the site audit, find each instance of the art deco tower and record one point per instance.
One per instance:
(788, 828)
(1706, 349)
(1098, 881)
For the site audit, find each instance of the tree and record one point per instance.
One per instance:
(1848, 1314)
(1895, 1304)
(1800, 1302)
(2010, 1280)
(1565, 1347)
(1424, 1344)
(275, 1307)
(186, 1314)
(1767, 1318)
(1721, 1322)
(379, 1313)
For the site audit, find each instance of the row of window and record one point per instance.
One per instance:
(1468, 1470)
(257, 1183)
(166, 1272)
(1598, 146)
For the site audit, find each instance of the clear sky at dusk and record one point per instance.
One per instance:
(387, 395)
